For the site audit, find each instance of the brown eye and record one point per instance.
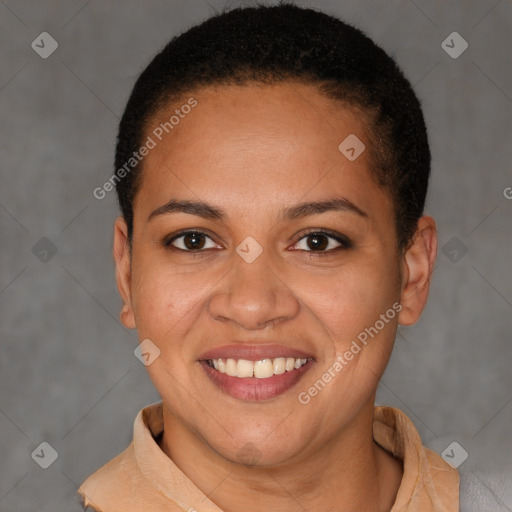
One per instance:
(322, 242)
(317, 242)
(192, 241)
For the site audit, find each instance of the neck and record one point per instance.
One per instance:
(351, 469)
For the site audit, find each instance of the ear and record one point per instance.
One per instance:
(122, 259)
(417, 268)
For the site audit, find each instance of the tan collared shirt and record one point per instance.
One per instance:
(144, 479)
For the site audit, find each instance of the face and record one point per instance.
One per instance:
(257, 240)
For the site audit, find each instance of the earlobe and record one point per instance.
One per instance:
(122, 259)
(418, 265)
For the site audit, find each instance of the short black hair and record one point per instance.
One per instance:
(275, 44)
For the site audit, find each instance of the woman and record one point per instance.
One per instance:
(271, 167)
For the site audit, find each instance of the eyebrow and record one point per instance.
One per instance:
(301, 210)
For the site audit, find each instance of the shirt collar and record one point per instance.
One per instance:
(147, 479)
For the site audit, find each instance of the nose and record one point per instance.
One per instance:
(253, 296)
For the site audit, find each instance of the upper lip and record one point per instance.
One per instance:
(253, 352)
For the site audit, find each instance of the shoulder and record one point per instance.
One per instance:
(121, 486)
(446, 477)
(428, 481)
(127, 483)
(112, 480)
(130, 481)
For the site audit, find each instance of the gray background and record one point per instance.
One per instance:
(68, 375)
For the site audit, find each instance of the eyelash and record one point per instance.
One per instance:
(344, 242)
(341, 239)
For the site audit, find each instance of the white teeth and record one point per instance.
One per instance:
(279, 365)
(231, 367)
(244, 368)
(262, 369)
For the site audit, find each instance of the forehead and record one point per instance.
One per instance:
(279, 119)
(281, 142)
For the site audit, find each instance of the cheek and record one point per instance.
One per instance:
(165, 301)
(348, 304)
(355, 307)
(350, 299)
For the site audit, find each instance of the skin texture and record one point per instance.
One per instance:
(251, 151)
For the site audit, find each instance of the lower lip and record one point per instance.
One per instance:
(253, 389)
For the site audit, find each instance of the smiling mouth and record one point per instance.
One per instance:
(260, 369)
(255, 372)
